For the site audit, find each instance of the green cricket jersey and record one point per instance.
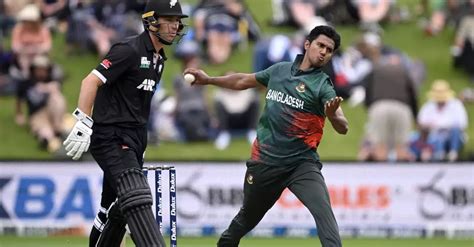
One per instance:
(291, 126)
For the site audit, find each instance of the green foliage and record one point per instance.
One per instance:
(17, 143)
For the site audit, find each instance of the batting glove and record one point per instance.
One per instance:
(79, 138)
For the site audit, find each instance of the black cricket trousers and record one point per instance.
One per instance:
(117, 149)
(263, 186)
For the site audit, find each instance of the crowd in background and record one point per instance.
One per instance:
(383, 78)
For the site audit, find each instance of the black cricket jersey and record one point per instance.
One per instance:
(130, 72)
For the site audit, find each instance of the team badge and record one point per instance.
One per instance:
(106, 63)
(301, 87)
(173, 3)
(145, 63)
(250, 179)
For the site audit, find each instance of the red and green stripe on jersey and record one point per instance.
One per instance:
(291, 126)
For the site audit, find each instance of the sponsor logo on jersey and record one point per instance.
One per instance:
(147, 85)
(145, 63)
(284, 99)
(301, 87)
(106, 63)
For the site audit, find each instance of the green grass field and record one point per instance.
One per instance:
(433, 51)
(246, 242)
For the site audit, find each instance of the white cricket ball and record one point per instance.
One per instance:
(189, 78)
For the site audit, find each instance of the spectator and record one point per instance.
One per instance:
(222, 26)
(463, 47)
(162, 124)
(51, 8)
(192, 112)
(98, 25)
(237, 112)
(277, 48)
(347, 69)
(199, 14)
(306, 14)
(118, 15)
(45, 103)
(445, 118)
(80, 34)
(371, 13)
(54, 13)
(391, 97)
(6, 21)
(7, 84)
(445, 12)
(30, 37)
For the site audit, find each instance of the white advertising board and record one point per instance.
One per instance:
(367, 199)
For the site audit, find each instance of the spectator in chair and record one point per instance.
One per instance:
(462, 49)
(223, 26)
(45, 103)
(192, 112)
(445, 119)
(277, 48)
(30, 37)
(237, 111)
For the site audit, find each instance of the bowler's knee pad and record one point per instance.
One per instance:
(133, 190)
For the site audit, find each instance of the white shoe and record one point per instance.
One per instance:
(222, 141)
(452, 156)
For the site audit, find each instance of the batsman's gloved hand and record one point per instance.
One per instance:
(79, 138)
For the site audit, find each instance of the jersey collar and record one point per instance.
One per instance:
(295, 68)
(149, 46)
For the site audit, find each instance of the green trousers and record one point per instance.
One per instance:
(263, 186)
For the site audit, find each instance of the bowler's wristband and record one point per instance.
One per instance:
(81, 116)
